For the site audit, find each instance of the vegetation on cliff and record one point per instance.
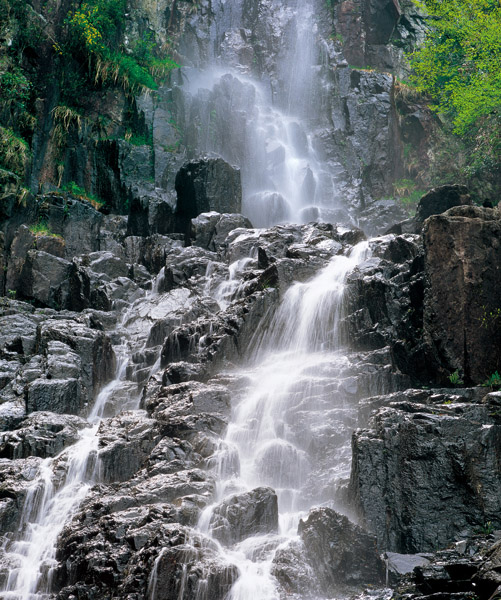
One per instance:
(60, 63)
(459, 65)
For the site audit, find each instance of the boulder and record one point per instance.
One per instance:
(440, 199)
(45, 279)
(93, 347)
(209, 230)
(207, 184)
(245, 515)
(63, 396)
(424, 471)
(339, 551)
(42, 434)
(462, 308)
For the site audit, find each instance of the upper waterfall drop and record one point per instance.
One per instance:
(262, 118)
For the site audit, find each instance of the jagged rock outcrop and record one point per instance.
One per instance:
(424, 471)
(208, 184)
(462, 307)
(244, 515)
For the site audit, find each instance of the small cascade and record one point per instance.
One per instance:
(291, 414)
(53, 498)
(263, 123)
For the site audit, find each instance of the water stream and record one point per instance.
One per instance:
(52, 499)
(285, 422)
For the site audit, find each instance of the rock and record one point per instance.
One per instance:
(207, 184)
(93, 347)
(125, 444)
(42, 434)
(209, 230)
(339, 551)
(245, 515)
(16, 479)
(424, 472)
(440, 199)
(45, 279)
(63, 396)
(401, 564)
(462, 326)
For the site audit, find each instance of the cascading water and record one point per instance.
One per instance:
(52, 500)
(296, 372)
(264, 126)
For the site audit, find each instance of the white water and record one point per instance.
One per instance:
(297, 362)
(264, 128)
(52, 501)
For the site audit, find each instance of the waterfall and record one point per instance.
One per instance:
(264, 125)
(295, 375)
(51, 502)
(290, 425)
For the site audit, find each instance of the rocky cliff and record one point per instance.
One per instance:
(136, 301)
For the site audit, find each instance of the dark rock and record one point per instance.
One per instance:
(209, 230)
(339, 551)
(208, 184)
(125, 443)
(462, 326)
(440, 199)
(93, 347)
(45, 279)
(55, 395)
(244, 515)
(422, 474)
(41, 434)
(16, 479)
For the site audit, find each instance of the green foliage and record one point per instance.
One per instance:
(455, 378)
(490, 317)
(79, 192)
(94, 30)
(493, 380)
(42, 229)
(408, 193)
(14, 151)
(460, 62)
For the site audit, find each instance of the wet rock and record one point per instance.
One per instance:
(149, 215)
(190, 407)
(125, 443)
(385, 296)
(180, 570)
(42, 434)
(423, 474)
(440, 199)
(461, 324)
(339, 551)
(55, 395)
(16, 479)
(93, 347)
(45, 279)
(245, 515)
(209, 230)
(208, 184)
(293, 571)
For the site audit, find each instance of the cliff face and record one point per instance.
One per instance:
(129, 281)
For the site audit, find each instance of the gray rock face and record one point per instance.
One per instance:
(385, 303)
(339, 551)
(210, 230)
(244, 515)
(462, 307)
(440, 199)
(93, 347)
(208, 184)
(42, 435)
(424, 472)
(45, 279)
